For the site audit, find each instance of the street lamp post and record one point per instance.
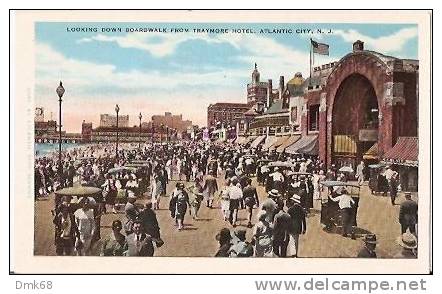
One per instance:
(153, 132)
(117, 109)
(139, 143)
(60, 91)
(167, 133)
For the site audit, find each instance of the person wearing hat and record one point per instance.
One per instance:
(114, 244)
(242, 248)
(150, 224)
(408, 214)
(277, 179)
(210, 188)
(195, 199)
(224, 238)
(178, 205)
(250, 199)
(281, 230)
(66, 230)
(369, 249)
(408, 242)
(269, 205)
(138, 243)
(131, 212)
(85, 220)
(235, 195)
(298, 224)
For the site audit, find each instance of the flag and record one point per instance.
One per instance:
(320, 48)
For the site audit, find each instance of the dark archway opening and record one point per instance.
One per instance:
(355, 122)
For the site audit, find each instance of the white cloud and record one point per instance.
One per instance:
(90, 87)
(157, 44)
(393, 43)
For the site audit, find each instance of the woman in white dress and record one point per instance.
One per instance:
(225, 201)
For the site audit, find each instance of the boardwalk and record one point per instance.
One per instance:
(375, 215)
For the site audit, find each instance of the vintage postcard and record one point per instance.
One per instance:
(221, 142)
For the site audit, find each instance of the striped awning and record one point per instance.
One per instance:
(278, 142)
(306, 145)
(257, 141)
(371, 153)
(269, 142)
(344, 144)
(240, 140)
(290, 141)
(250, 139)
(404, 152)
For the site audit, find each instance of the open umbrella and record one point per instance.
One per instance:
(80, 191)
(346, 169)
(139, 162)
(120, 169)
(133, 166)
(281, 164)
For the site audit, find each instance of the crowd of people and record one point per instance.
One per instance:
(292, 184)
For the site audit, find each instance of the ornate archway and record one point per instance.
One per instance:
(359, 80)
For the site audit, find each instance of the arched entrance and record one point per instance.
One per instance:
(355, 120)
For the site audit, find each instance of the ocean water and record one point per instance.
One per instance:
(42, 149)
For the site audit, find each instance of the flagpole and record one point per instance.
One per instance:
(310, 79)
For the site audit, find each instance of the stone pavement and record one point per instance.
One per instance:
(375, 215)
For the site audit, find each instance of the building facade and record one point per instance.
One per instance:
(225, 113)
(171, 121)
(110, 120)
(362, 107)
(257, 90)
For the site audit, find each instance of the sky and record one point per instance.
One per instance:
(181, 68)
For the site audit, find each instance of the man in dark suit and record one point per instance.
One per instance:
(281, 230)
(139, 243)
(250, 197)
(298, 222)
(408, 214)
(209, 188)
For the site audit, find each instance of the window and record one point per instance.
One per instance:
(294, 114)
(313, 118)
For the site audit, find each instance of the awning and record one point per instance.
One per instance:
(371, 153)
(404, 152)
(257, 141)
(305, 145)
(278, 143)
(240, 140)
(269, 142)
(344, 144)
(249, 139)
(290, 141)
(311, 146)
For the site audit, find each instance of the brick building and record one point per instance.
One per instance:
(225, 113)
(364, 106)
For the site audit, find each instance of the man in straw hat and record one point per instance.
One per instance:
(369, 249)
(269, 205)
(408, 242)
